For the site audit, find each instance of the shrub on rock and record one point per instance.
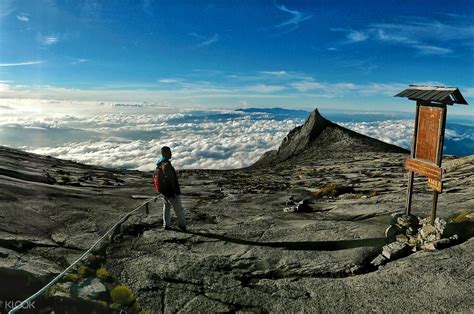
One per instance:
(332, 190)
(122, 296)
(467, 215)
(102, 274)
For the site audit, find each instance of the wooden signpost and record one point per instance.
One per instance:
(428, 138)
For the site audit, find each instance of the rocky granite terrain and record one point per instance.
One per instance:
(296, 232)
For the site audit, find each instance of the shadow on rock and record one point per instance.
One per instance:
(301, 245)
(464, 229)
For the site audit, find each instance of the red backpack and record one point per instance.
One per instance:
(156, 183)
(163, 184)
(158, 177)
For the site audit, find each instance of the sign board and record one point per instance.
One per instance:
(425, 161)
(436, 185)
(428, 138)
(424, 168)
(429, 129)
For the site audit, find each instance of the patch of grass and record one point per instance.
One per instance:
(56, 288)
(332, 190)
(329, 189)
(103, 303)
(373, 193)
(72, 277)
(102, 273)
(122, 296)
(84, 272)
(81, 273)
(462, 217)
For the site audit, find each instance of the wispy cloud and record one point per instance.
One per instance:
(20, 63)
(432, 50)
(168, 81)
(341, 89)
(293, 23)
(387, 89)
(352, 36)
(427, 37)
(281, 76)
(79, 61)
(357, 36)
(205, 41)
(209, 41)
(22, 17)
(50, 40)
(262, 88)
(422, 29)
(408, 40)
(304, 86)
(275, 73)
(47, 40)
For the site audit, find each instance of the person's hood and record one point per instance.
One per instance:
(161, 159)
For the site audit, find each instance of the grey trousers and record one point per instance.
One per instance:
(178, 210)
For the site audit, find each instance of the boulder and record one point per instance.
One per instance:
(395, 250)
(92, 289)
(404, 222)
(429, 233)
(378, 261)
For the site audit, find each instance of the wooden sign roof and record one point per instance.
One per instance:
(438, 94)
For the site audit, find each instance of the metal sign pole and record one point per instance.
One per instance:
(411, 173)
(433, 207)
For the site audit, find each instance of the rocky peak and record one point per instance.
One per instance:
(302, 136)
(319, 136)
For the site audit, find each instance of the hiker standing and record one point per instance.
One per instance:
(169, 188)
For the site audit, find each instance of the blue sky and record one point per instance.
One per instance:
(228, 54)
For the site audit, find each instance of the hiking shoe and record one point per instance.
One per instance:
(183, 228)
(166, 228)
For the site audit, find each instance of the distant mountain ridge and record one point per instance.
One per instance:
(294, 113)
(318, 136)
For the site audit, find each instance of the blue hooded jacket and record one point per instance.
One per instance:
(161, 159)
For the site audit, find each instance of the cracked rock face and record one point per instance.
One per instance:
(242, 252)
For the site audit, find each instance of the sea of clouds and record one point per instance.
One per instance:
(217, 139)
(130, 135)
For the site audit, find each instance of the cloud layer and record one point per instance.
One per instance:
(131, 135)
(459, 138)
(212, 139)
(397, 132)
